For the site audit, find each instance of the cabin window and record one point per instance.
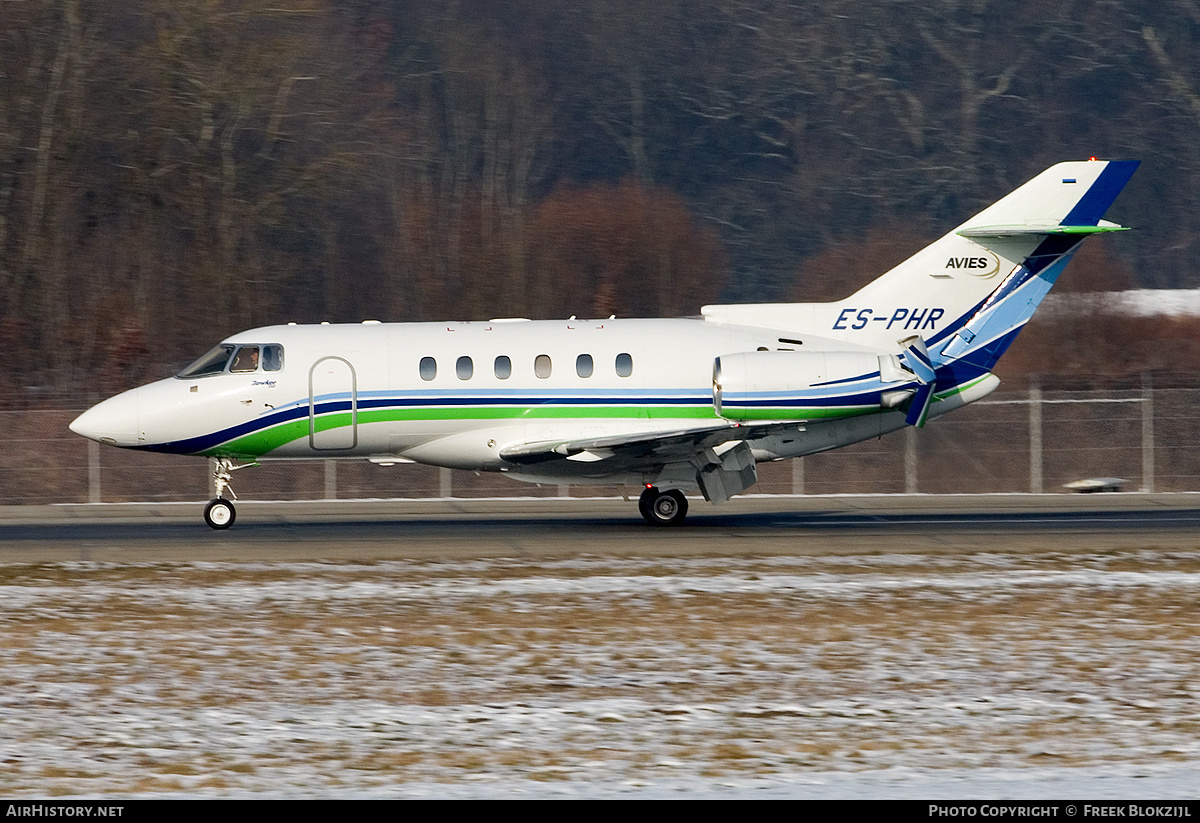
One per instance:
(503, 367)
(624, 365)
(211, 363)
(272, 358)
(541, 366)
(428, 368)
(583, 365)
(464, 368)
(246, 360)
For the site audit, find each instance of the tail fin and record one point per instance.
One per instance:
(968, 293)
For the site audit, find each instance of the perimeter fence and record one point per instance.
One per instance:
(1034, 439)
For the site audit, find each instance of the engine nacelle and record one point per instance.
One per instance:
(789, 385)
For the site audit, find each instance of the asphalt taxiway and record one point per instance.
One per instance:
(468, 528)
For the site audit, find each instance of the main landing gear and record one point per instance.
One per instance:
(667, 508)
(220, 513)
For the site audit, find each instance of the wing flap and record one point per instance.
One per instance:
(660, 444)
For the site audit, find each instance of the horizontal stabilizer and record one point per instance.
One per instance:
(1039, 230)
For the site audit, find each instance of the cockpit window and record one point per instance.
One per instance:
(272, 358)
(211, 363)
(245, 360)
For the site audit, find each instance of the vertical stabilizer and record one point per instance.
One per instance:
(962, 291)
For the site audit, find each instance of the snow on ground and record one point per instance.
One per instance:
(888, 675)
(1137, 302)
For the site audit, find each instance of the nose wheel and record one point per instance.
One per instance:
(219, 514)
(667, 508)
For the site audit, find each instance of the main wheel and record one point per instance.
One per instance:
(647, 497)
(667, 508)
(219, 514)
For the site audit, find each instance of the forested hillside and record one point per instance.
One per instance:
(175, 170)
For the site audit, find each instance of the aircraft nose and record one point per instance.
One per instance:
(114, 421)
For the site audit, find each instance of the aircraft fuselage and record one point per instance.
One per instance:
(447, 394)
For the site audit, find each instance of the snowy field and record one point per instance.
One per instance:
(968, 676)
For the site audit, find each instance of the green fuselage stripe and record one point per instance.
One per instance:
(261, 442)
(274, 437)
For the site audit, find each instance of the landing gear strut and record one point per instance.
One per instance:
(220, 513)
(667, 508)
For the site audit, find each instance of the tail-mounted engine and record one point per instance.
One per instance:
(788, 385)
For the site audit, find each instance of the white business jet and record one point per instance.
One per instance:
(669, 406)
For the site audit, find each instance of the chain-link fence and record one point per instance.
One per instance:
(1031, 440)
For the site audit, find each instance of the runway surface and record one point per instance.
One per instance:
(461, 529)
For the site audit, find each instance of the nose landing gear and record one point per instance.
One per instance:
(220, 513)
(667, 508)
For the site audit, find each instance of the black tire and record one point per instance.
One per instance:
(667, 508)
(644, 500)
(220, 514)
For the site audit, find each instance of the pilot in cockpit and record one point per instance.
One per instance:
(246, 360)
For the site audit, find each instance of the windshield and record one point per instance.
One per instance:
(249, 358)
(211, 363)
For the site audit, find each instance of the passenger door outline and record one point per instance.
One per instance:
(332, 376)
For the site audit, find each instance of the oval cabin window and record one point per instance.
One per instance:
(624, 365)
(503, 367)
(583, 365)
(464, 368)
(428, 368)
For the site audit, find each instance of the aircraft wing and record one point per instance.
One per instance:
(715, 455)
(659, 446)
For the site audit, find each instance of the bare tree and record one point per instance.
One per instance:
(462, 174)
